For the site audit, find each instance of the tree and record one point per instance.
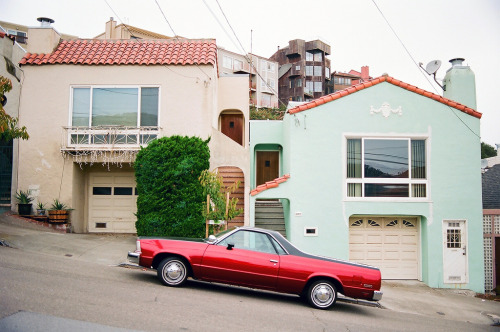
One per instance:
(8, 125)
(487, 151)
(170, 196)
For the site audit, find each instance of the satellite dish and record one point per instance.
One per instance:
(431, 69)
(433, 66)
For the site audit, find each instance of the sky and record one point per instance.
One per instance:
(356, 30)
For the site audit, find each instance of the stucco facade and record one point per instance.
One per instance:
(191, 100)
(313, 146)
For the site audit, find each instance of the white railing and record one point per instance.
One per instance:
(107, 138)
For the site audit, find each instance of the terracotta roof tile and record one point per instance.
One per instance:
(375, 81)
(270, 184)
(136, 52)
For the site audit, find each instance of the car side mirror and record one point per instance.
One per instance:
(230, 246)
(212, 238)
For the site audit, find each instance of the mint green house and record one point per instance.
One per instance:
(382, 173)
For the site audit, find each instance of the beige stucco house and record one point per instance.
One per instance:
(89, 105)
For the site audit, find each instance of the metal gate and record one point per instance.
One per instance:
(5, 173)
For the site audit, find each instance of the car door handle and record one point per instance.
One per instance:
(273, 261)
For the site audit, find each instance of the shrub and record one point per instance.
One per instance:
(170, 196)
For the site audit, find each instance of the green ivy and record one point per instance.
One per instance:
(170, 196)
(265, 113)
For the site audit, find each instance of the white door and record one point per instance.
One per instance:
(454, 252)
(112, 202)
(389, 243)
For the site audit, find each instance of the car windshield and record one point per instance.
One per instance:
(221, 234)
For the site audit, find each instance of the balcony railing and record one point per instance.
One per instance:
(107, 138)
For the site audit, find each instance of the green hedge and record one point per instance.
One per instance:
(171, 197)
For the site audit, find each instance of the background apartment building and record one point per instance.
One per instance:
(304, 70)
(263, 75)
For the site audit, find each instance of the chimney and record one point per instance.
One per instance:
(110, 29)
(43, 39)
(365, 73)
(460, 84)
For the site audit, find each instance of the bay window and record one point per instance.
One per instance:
(379, 167)
(112, 115)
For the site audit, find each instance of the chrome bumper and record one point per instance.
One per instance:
(377, 295)
(133, 257)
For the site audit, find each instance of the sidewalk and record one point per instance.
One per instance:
(407, 296)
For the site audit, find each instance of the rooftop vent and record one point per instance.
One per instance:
(45, 21)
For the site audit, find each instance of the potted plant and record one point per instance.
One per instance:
(58, 212)
(24, 205)
(40, 209)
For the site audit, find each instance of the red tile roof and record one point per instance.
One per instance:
(270, 184)
(128, 52)
(388, 79)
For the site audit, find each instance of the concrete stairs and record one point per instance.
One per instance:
(269, 215)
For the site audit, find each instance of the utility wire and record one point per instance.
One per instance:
(247, 58)
(177, 38)
(427, 78)
(118, 17)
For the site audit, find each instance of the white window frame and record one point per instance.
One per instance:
(91, 87)
(227, 61)
(408, 180)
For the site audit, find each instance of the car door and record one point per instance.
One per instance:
(245, 258)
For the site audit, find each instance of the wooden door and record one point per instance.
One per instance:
(232, 127)
(267, 166)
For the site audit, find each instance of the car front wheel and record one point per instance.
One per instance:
(322, 294)
(172, 271)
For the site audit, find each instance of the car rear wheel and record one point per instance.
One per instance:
(322, 294)
(172, 271)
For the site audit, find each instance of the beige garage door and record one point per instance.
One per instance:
(112, 202)
(389, 243)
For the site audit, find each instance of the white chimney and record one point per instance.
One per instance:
(44, 38)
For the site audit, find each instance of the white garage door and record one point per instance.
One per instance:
(389, 243)
(112, 202)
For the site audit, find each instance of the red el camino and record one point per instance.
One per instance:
(261, 259)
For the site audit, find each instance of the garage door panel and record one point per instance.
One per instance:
(112, 202)
(391, 239)
(374, 238)
(392, 247)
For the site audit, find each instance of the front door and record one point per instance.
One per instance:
(267, 166)
(455, 252)
(232, 127)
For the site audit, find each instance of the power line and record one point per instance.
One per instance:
(245, 55)
(177, 38)
(118, 17)
(411, 57)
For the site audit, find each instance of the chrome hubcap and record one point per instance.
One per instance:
(174, 272)
(323, 295)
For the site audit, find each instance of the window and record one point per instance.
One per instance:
(270, 66)
(318, 86)
(250, 241)
(378, 167)
(227, 62)
(19, 35)
(318, 56)
(327, 72)
(238, 65)
(309, 56)
(309, 86)
(270, 83)
(309, 70)
(103, 106)
(318, 71)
